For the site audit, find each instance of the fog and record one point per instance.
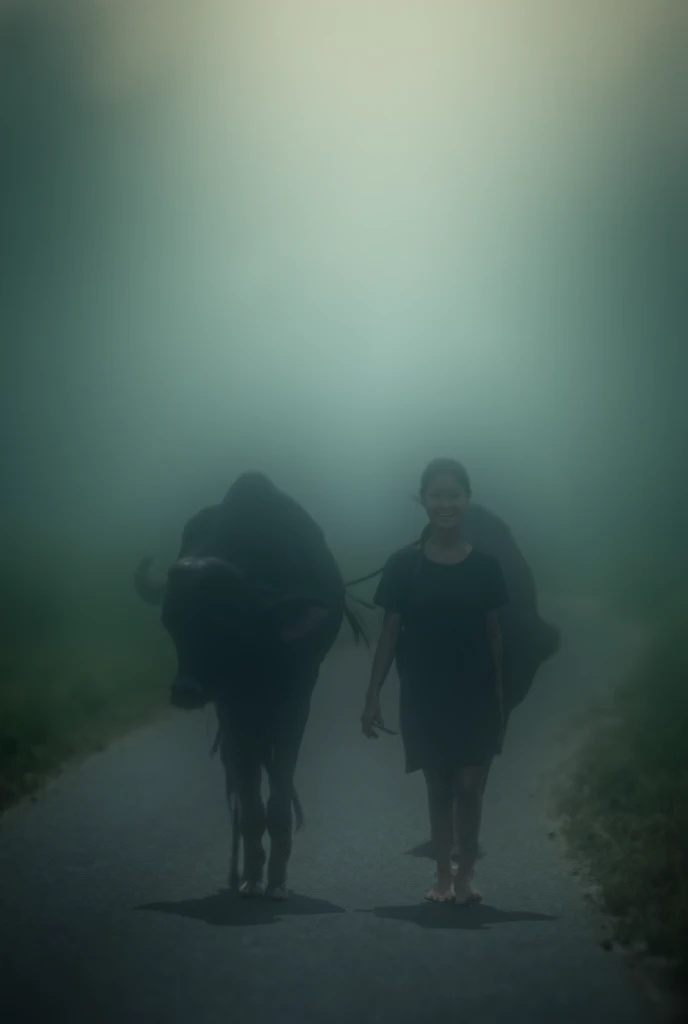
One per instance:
(332, 241)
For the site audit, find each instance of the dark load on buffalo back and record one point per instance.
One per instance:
(528, 640)
(248, 571)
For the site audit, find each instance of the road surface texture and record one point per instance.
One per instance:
(113, 905)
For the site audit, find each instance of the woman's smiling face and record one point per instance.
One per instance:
(445, 500)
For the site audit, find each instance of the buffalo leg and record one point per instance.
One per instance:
(243, 765)
(289, 727)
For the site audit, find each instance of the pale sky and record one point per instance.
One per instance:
(354, 235)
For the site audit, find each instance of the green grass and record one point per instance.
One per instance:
(76, 670)
(625, 808)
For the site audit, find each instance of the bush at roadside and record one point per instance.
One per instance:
(626, 806)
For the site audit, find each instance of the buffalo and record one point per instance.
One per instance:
(253, 604)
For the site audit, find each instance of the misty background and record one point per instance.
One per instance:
(332, 241)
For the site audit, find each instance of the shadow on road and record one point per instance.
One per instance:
(478, 916)
(226, 908)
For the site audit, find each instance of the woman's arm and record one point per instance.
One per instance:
(494, 634)
(382, 662)
(384, 653)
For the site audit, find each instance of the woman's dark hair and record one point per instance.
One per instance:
(448, 467)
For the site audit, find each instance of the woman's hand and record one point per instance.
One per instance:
(372, 718)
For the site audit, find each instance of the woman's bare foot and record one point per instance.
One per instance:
(464, 888)
(439, 894)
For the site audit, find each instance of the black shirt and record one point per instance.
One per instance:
(449, 704)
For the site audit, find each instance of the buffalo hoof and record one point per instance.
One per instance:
(277, 893)
(251, 890)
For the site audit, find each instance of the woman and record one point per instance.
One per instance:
(441, 624)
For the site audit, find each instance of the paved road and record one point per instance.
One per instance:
(111, 885)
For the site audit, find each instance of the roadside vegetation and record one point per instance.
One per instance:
(625, 806)
(78, 667)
